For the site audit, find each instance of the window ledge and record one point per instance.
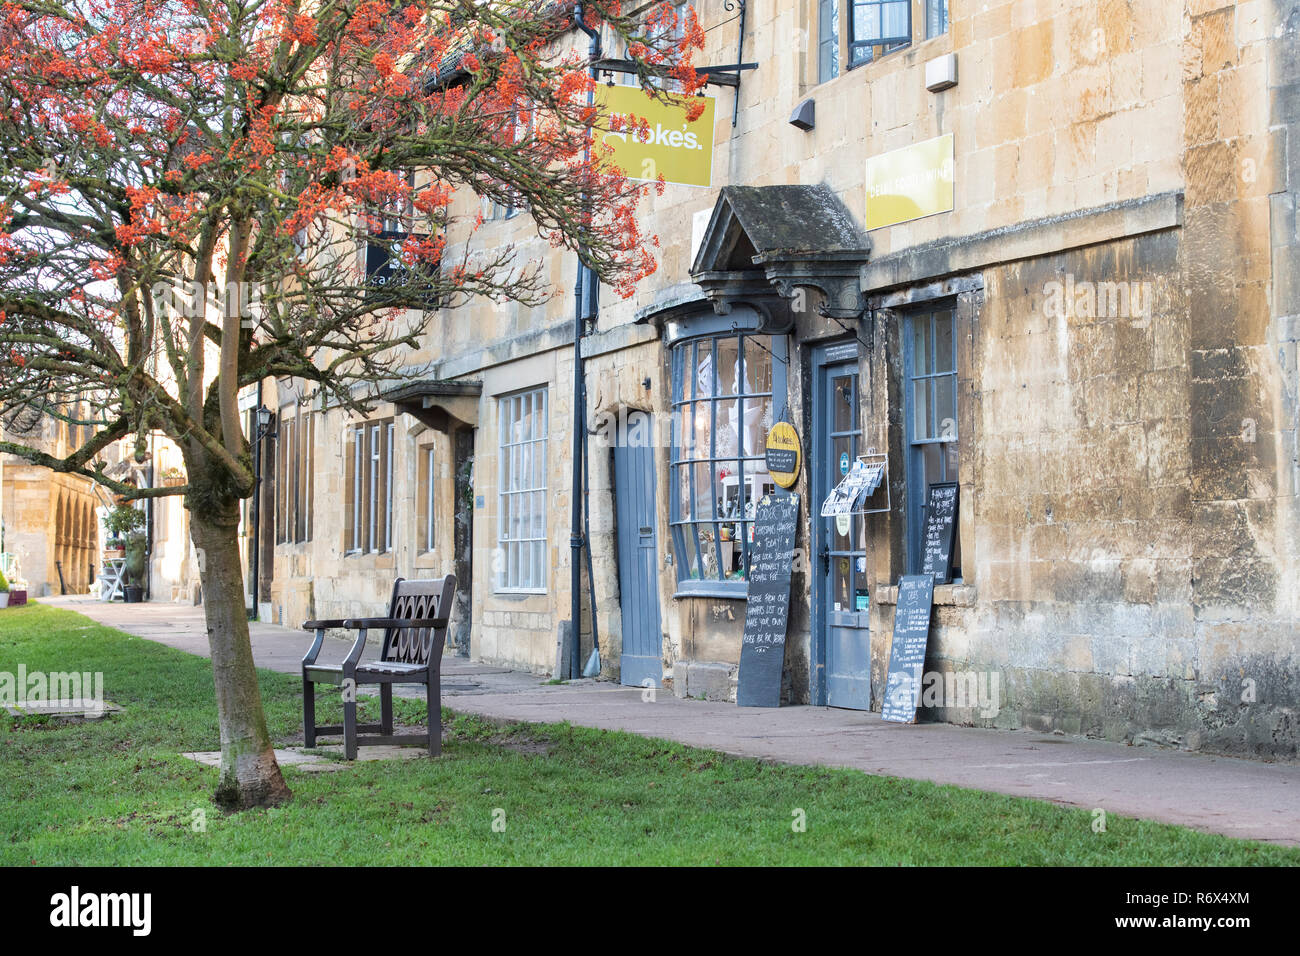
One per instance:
(716, 591)
(956, 594)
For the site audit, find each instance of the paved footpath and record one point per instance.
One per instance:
(1239, 798)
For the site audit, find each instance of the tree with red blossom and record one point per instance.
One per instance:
(185, 186)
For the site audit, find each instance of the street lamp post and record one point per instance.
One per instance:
(265, 419)
(582, 308)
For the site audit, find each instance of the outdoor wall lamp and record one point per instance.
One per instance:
(804, 115)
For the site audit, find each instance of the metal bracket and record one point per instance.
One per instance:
(730, 5)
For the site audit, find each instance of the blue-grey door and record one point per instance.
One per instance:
(638, 563)
(840, 599)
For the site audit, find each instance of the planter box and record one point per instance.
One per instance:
(17, 597)
(4, 599)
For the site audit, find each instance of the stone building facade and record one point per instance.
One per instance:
(51, 521)
(1096, 342)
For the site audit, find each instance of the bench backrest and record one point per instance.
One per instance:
(413, 600)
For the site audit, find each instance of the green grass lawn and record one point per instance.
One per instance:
(116, 791)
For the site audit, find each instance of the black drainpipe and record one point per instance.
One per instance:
(579, 415)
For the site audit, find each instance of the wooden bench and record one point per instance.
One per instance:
(415, 632)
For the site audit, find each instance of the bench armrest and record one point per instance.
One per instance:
(400, 622)
(318, 625)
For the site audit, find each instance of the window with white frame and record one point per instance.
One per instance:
(425, 487)
(368, 526)
(521, 492)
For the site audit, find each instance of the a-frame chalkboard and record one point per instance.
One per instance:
(907, 652)
(767, 615)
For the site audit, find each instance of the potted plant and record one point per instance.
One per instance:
(119, 523)
(4, 590)
(173, 477)
(137, 547)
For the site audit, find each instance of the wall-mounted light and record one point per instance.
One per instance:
(941, 73)
(803, 116)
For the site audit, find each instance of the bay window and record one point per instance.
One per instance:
(728, 388)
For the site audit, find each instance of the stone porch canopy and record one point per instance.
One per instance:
(440, 404)
(761, 238)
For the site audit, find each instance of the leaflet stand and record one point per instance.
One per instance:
(878, 501)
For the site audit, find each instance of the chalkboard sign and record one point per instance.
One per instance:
(907, 654)
(762, 649)
(940, 524)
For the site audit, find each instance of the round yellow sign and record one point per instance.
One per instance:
(783, 454)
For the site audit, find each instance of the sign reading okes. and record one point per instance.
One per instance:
(671, 146)
(910, 183)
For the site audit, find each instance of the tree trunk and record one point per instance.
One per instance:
(250, 777)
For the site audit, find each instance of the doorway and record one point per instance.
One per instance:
(638, 561)
(840, 597)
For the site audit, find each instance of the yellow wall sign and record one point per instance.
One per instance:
(680, 151)
(910, 183)
(783, 454)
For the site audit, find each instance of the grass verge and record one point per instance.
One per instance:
(117, 791)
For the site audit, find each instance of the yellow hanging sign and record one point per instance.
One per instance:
(679, 150)
(783, 454)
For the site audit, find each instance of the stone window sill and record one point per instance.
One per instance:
(956, 594)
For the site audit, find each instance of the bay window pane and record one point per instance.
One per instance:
(727, 354)
(758, 364)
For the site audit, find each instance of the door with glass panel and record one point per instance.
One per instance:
(841, 598)
(930, 410)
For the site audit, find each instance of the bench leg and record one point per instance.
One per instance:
(308, 713)
(433, 698)
(386, 707)
(349, 726)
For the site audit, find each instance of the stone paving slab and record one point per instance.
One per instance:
(330, 759)
(1240, 798)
